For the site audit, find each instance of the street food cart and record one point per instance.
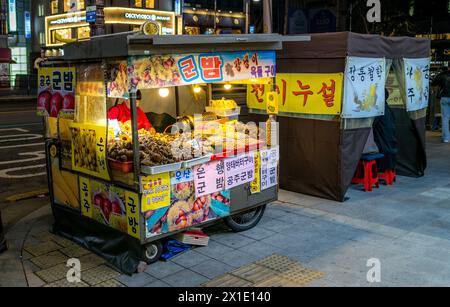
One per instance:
(331, 87)
(118, 188)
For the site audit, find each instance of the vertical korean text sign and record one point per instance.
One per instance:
(417, 83)
(12, 24)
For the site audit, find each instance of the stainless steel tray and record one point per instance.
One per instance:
(196, 161)
(152, 170)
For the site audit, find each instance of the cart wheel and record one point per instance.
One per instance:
(152, 251)
(245, 220)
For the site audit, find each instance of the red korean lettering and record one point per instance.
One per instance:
(258, 90)
(305, 91)
(328, 93)
(211, 67)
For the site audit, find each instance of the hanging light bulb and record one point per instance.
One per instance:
(163, 92)
(227, 86)
(197, 89)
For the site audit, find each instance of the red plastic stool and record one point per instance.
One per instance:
(367, 172)
(388, 176)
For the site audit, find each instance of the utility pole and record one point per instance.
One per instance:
(98, 28)
(267, 16)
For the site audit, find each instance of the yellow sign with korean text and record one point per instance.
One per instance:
(255, 185)
(89, 150)
(85, 196)
(132, 204)
(155, 191)
(301, 93)
(56, 90)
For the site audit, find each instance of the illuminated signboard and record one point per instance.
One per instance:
(27, 24)
(12, 16)
(113, 15)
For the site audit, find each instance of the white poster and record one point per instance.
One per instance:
(417, 78)
(269, 167)
(239, 170)
(364, 83)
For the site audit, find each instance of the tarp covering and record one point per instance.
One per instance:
(121, 250)
(411, 155)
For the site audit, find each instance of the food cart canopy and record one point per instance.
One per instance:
(123, 45)
(343, 44)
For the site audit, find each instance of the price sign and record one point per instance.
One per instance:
(155, 191)
(239, 170)
(255, 185)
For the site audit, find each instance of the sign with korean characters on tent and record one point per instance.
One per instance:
(364, 84)
(301, 93)
(417, 78)
(182, 69)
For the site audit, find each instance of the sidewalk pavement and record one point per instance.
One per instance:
(405, 226)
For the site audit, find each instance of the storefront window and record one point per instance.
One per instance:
(138, 3)
(83, 33)
(54, 6)
(19, 55)
(61, 36)
(149, 4)
(73, 5)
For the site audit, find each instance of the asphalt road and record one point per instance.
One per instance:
(22, 157)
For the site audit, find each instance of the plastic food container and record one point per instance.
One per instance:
(224, 112)
(126, 167)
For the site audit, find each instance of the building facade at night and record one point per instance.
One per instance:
(57, 22)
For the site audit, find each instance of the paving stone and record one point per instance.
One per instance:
(49, 260)
(237, 258)
(98, 275)
(54, 273)
(185, 278)
(190, 258)
(64, 283)
(136, 280)
(211, 268)
(34, 281)
(228, 280)
(233, 240)
(162, 269)
(260, 249)
(157, 284)
(112, 283)
(214, 249)
(90, 260)
(42, 248)
(74, 251)
(274, 225)
(257, 233)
